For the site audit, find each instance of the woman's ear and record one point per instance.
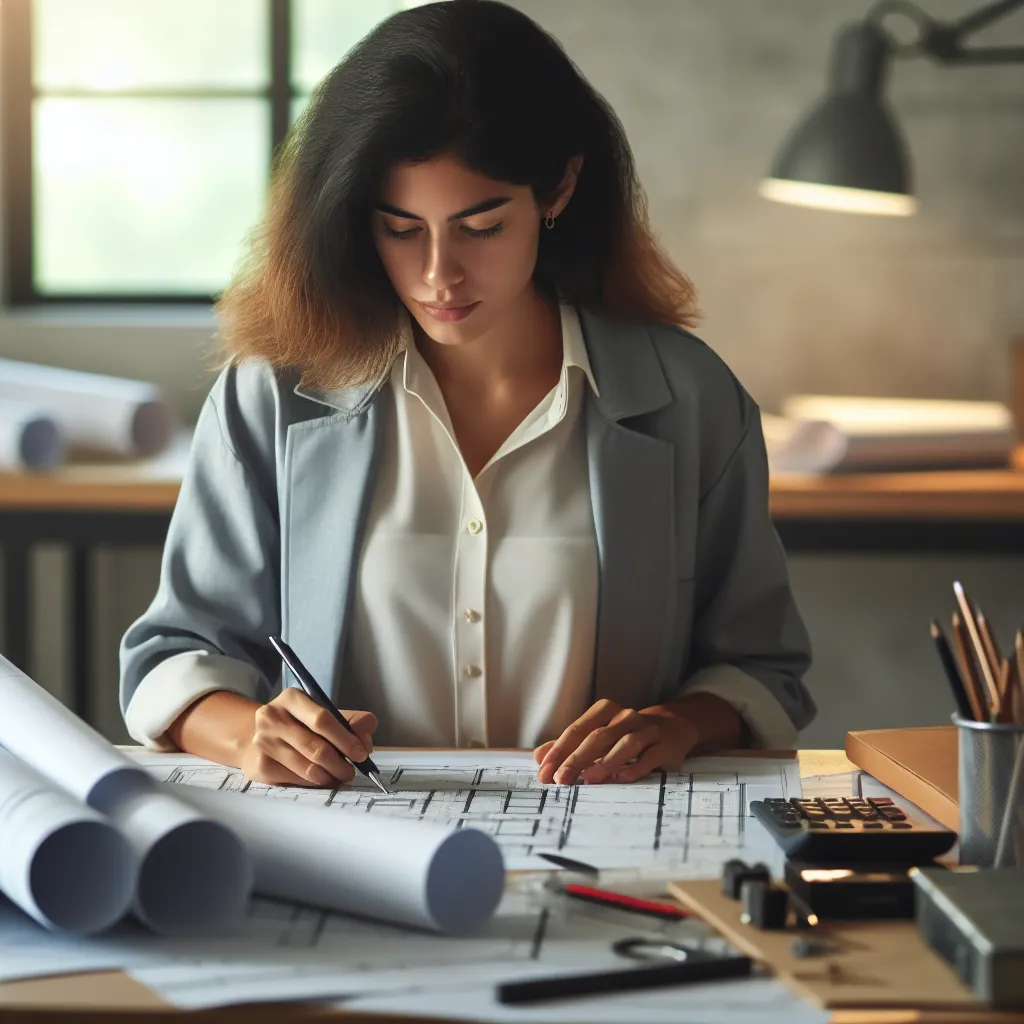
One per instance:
(567, 185)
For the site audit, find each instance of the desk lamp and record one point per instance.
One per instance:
(848, 153)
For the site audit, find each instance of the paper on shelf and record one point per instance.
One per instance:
(194, 873)
(30, 438)
(111, 414)
(60, 861)
(408, 872)
(823, 433)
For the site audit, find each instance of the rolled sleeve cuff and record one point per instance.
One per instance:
(770, 726)
(178, 682)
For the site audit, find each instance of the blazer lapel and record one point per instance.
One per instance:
(633, 493)
(329, 463)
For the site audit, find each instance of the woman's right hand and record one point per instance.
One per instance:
(297, 742)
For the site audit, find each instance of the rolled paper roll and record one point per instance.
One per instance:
(60, 861)
(417, 873)
(30, 438)
(195, 875)
(94, 411)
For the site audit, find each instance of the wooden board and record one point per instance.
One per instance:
(883, 964)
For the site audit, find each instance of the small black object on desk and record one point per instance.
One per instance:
(765, 906)
(735, 872)
(851, 892)
(687, 971)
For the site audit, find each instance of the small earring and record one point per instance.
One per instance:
(549, 221)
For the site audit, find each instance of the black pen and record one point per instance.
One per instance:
(315, 693)
(570, 864)
(953, 677)
(680, 973)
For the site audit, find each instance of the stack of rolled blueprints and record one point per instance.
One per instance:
(47, 410)
(86, 835)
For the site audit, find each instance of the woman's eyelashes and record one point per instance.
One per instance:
(489, 232)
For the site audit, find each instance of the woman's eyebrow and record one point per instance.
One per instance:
(487, 204)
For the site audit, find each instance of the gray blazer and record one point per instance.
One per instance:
(267, 529)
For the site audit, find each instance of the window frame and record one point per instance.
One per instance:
(19, 93)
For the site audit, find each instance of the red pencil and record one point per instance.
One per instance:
(631, 903)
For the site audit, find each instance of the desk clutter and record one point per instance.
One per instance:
(211, 890)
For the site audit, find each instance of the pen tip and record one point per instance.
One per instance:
(379, 784)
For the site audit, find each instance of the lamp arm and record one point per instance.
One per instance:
(944, 42)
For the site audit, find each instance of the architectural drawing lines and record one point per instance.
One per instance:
(538, 934)
(661, 811)
(687, 823)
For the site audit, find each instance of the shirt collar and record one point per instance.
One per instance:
(574, 348)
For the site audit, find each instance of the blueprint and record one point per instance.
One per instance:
(688, 823)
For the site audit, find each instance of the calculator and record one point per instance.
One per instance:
(831, 829)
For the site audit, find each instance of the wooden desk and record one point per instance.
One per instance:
(119, 505)
(113, 996)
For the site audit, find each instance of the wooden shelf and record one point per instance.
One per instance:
(996, 494)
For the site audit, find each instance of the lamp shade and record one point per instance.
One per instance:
(848, 153)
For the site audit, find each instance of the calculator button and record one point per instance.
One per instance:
(872, 824)
(844, 824)
(817, 824)
(902, 824)
(880, 801)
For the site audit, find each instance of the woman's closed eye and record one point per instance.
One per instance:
(487, 232)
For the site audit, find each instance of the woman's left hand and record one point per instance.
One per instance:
(610, 743)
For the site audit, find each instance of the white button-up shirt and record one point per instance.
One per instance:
(476, 598)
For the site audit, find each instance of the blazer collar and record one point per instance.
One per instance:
(625, 365)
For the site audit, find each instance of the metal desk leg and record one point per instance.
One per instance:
(17, 604)
(81, 591)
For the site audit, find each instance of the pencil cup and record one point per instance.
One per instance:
(991, 782)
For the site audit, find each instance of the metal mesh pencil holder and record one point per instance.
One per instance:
(991, 783)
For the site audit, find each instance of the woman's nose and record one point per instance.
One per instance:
(441, 270)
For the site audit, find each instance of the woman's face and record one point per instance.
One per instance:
(459, 247)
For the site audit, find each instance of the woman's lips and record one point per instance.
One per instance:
(449, 313)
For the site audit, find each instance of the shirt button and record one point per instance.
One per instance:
(472, 671)
(471, 615)
(474, 526)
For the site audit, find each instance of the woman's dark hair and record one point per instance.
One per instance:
(480, 81)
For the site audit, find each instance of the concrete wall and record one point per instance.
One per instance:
(794, 299)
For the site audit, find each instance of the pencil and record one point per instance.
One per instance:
(1005, 696)
(634, 904)
(988, 640)
(1018, 702)
(975, 691)
(956, 684)
(312, 690)
(979, 649)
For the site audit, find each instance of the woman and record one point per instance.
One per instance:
(463, 458)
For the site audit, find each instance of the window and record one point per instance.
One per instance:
(139, 135)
